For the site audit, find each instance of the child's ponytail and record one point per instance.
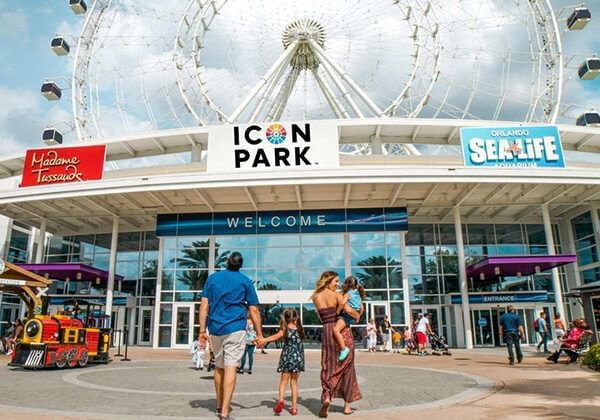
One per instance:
(290, 315)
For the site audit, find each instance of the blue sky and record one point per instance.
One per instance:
(27, 26)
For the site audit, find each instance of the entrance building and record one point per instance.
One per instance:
(165, 227)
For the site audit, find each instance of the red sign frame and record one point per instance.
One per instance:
(60, 165)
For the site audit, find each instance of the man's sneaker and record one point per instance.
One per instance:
(344, 354)
(249, 371)
(511, 362)
(519, 361)
(240, 370)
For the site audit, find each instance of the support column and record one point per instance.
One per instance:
(196, 153)
(112, 266)
(405, 284)
(464, 287)
(40, 243)
(558, 294)
(156, 317)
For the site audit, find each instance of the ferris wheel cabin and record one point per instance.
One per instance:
(51, 91)
(590, 69)
(60, 46)
(590, 118)
(79, 7)
(579, 18)
(52, 136)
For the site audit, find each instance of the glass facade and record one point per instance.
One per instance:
(292, 262)
(422, 267)
(586, 247)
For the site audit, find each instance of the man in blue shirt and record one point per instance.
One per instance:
(511, 329)
(227, 297)
(542, 329)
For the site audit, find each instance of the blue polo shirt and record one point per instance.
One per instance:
(229, 294)
(510, 321)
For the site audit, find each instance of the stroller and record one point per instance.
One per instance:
(438, 345)
(410, 346)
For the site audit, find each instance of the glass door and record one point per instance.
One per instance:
(377, 311)
(182, 330)
(434, 321)
(483, 326)
(146, 326)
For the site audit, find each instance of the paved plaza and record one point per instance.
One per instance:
(161, 383)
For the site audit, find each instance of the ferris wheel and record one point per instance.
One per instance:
(140, 66)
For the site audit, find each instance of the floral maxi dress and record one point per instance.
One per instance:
(292, 354)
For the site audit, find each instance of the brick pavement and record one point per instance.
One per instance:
(160, 383)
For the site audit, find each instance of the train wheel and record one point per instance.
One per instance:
(61, 359)
(72, 358)
(83, 358)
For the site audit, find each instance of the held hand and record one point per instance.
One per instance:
(259, 342)
(203, 337)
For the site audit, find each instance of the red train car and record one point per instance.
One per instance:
(61, 341)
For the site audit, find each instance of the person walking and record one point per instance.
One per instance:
(372, 335)
(250, 346)
(291, 360)
(511, 329)
(338, 379)
(423, 327)
(386, 330)
(227, 297)
(542, 329)
(559, 326)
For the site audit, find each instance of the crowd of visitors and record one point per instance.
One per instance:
(569, 342)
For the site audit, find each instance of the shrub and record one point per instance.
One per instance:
(592, 358)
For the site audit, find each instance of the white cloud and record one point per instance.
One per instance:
(13, 24)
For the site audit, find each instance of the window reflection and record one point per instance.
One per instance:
(310, 315)
(278, 279)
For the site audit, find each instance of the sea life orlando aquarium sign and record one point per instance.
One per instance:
(512, 147)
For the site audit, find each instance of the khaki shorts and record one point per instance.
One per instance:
(228, 349)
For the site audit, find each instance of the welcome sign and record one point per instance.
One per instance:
(283, 222)
(512, 147)
(273, 146)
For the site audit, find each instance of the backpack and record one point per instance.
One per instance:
(536, 324)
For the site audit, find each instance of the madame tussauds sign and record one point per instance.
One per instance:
(273, 146)
(63, 164)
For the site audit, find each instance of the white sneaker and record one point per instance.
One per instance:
(9, 352)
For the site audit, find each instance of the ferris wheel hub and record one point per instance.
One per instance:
(304, 31)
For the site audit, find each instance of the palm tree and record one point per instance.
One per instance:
(195, 259)
(373, 274)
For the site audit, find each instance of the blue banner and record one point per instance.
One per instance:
(290, 221)
(502, 298)
(512, 147)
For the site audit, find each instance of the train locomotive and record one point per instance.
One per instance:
(63, 342)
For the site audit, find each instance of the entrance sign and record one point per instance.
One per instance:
(63, 164)
(502, 298)
(274, 222)
(512, 147)
(273, 146)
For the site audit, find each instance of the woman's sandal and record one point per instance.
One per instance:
(279, 407)
(293, 411)
(324, 409)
